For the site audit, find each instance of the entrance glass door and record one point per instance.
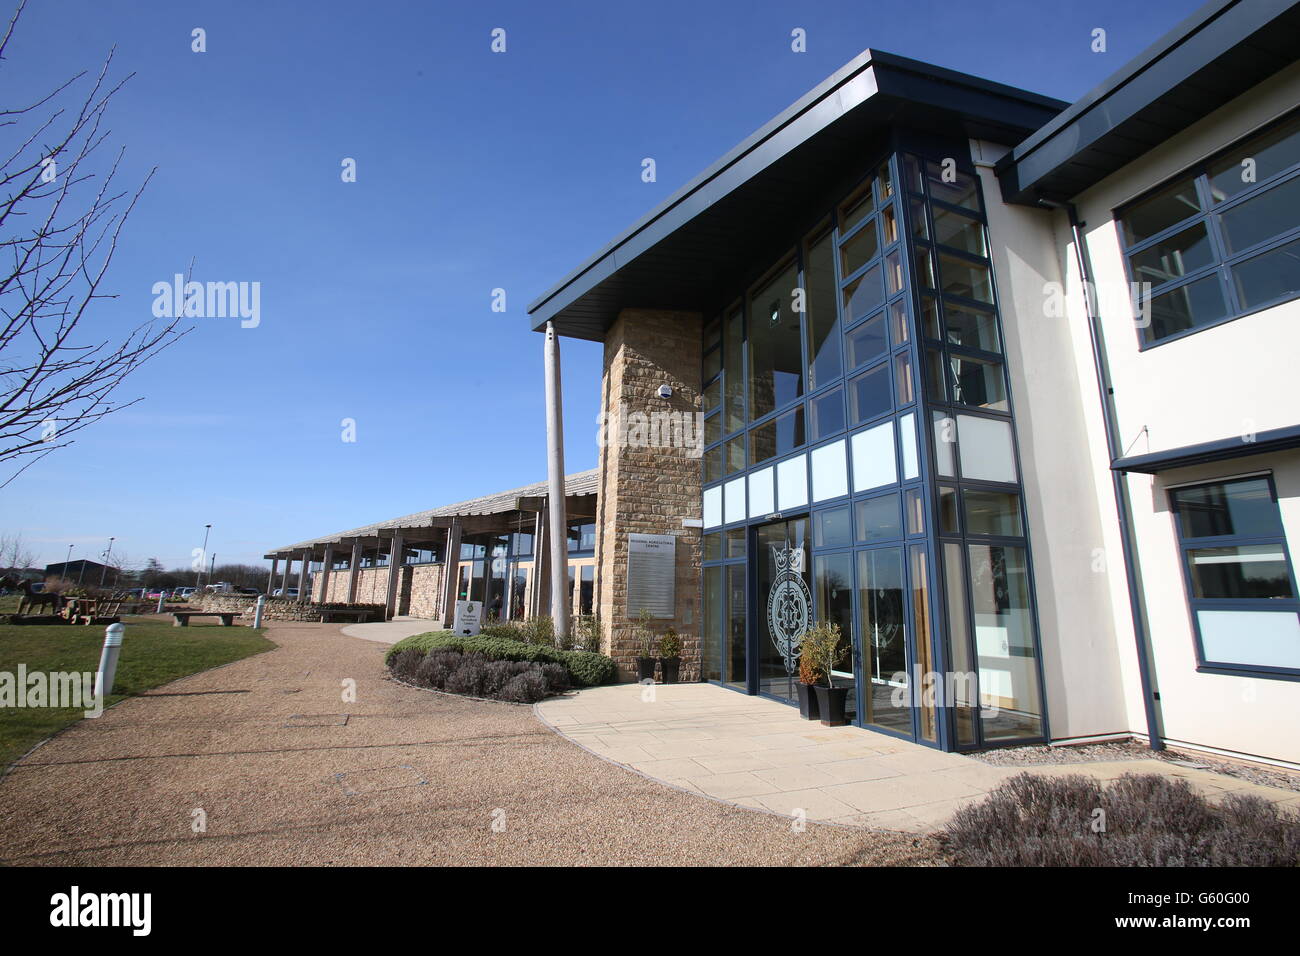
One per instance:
(783, 604)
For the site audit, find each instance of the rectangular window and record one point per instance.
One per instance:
(1240, 583)
(823, 322)
(1221, 240)
(775, 350)
(782, 434)
(827, 413)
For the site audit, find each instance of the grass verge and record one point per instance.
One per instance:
(152, 654)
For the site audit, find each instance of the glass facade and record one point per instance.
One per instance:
(860, 467)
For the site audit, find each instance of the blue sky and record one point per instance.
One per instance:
(475, 171)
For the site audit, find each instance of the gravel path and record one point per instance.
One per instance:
(1133, 750)
(285, 772)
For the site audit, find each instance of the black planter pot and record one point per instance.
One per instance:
(830, 701)
(808, 704)
(645, 668)
(669, 666)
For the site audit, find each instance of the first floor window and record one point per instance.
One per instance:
(1240, 583)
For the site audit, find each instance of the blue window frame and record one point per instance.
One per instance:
(1220, 240)
(1241, 586)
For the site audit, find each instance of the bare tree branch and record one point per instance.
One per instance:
(61, 217)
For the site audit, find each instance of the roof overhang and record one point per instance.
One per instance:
(1216, 54)
(712, 233)
(1277, 439)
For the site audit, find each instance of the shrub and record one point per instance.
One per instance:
(526, 688)
(670, 645)
(557, 677)
(510, 630)
(589, 633)
(590, 669)
(823, 646)
(1146, 820)
(404, 663)
(586, 668)
(436, 667)
(539, 631)
(469, 677)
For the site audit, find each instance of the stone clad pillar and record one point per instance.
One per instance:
(302, 577)
(394, 573)
(284, 583)
(650, 483)
(270, 582)
(325, 573)
(354, 571)
(451, 573)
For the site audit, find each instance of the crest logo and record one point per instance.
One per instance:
(788, 605)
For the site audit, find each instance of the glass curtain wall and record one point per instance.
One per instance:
(990, 640)
(856, 399)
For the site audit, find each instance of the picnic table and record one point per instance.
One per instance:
(182, 618)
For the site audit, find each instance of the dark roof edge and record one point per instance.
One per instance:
(826, 88)
(1224, 449)
(1143, 61)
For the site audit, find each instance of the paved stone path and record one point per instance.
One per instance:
(759, 753)
(283, 771)
(390, 632)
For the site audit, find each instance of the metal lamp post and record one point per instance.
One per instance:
(108, 552)
(67, 562)
(198, 575)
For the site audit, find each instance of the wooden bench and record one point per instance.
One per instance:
(358, 614)
(182, 618)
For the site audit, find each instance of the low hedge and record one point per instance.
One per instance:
(587, 669)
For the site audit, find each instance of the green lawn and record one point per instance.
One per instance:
(152, 654)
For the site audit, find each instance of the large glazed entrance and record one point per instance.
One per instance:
(784, 606)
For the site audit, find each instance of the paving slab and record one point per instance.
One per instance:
(759, 754)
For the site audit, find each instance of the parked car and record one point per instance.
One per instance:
(285, 592)
(184, 592)
(248, 590)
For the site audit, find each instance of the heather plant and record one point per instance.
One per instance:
(670, 645)
(1138, 820)
(404, 663)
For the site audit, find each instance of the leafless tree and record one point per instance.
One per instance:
(15, 555)
(61, 215)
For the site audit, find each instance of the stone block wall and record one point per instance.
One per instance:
(422, 593)
(650, 489)
(275, 609)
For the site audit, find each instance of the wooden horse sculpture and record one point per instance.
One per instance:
(30, 601)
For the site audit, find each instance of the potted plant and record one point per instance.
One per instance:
(822, 644)
(808, 677)
(670, 655)
(645, 662)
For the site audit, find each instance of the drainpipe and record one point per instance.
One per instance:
(555, 485)
(1119, 483)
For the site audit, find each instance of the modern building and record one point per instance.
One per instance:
(996, 383)
(1035, 514)
(501, 557)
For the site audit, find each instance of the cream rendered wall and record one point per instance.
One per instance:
(1219, 383)
(1089, 661)
(1238, 714)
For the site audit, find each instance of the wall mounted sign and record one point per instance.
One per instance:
(651, 574)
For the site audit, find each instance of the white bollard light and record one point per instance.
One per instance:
(108, 658)
(257, 611)
(161, 598)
